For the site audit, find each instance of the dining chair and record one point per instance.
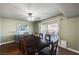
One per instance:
(24, 43)
(50, 51)
(41, 36)
(22, 46)
(47, 38)
(30, 44)
(55, 45)
(43, 43)
(18, 38)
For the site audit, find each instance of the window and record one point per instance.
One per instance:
(21, 29)
(43, 28)
(52, 27)
(49, 28)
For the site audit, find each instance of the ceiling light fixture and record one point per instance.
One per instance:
(32, 17)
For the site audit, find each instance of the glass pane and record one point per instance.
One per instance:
(21, 29)
(43, 28)
(53, 30)
(52, 27)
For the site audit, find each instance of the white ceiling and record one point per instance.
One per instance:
(42, 10)
(69, 9)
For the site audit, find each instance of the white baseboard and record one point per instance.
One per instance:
(6, 42)
(70, 49)
(73, 50)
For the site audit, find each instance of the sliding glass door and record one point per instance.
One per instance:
(53, 31)
(43, 28)
(50, 28)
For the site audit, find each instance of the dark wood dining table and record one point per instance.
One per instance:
(34, 42)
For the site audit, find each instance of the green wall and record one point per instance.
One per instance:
(35, 27)
(0, 30)
(8, 27)
(69, 30)
(77, 34)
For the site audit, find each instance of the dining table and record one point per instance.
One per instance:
(35, 42)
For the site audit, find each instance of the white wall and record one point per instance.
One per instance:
(8, 27)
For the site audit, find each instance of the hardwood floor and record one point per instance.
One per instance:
(62, 51)
(11, 49)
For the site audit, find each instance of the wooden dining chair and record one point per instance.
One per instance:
(41, 36)
(33, 45)
(43, 43)
(47, 38)
(50, 51)
(55, 45)
(30, 44)
(24, 43)
(22, 46)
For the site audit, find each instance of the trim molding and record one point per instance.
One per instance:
(6, 42)
(70, 49)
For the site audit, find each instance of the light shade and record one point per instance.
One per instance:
(32, 17)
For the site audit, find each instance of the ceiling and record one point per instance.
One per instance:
(42, 10)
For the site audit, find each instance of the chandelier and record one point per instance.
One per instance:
(32, 17)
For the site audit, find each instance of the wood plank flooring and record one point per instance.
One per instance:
(11, 49)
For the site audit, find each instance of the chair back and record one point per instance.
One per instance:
(47, 37)
(41, 35)
(29, 44)
(24, 44)
(18, 38)
(54, 47)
